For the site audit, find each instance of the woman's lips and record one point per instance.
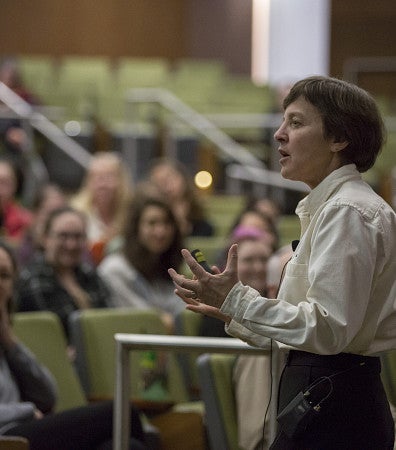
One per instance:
(283, 155)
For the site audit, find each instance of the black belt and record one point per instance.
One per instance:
(339, 361)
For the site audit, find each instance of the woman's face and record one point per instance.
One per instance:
(65, 242)
(305, 153)
(169, 181)
(156, 231)
(253, 256)
(254, 219)
(7, 276)
(104, 181)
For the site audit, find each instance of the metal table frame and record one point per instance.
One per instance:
(125, 343)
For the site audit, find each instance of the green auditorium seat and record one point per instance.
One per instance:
(42, 333)
(92, 333)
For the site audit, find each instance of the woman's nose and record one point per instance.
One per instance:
(279, 134)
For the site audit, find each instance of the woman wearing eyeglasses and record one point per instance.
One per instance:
(60, 280)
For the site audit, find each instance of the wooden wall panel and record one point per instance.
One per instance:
(91, 27)
(183, 28)
(364, 28)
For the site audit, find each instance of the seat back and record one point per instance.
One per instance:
(217, 391)
(187, 323)
(388, 374)
(42, 333)
(92, 333)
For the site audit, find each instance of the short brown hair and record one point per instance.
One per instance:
(348, 112)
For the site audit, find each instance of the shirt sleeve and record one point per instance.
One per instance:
(121, 281)
(36, 384)
(13, 413)
(325, 294)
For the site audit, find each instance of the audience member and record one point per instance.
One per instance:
(138, 273)
(253, 217)
(13, 137)
(266, 205)
(252, 375)
(16, 218)
(48, 198)
(60, 281)
(10, 75)
(103, 197)
(28, 391)
(173, 180)
(257, 222)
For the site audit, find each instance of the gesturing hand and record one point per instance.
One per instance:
(205, 288)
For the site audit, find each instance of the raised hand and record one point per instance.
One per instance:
(208, 289)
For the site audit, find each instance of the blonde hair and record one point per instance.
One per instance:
(83, 200)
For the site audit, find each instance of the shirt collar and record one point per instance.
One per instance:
(326, 188)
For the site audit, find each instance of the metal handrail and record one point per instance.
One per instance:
(252, 167)
(128, 342)
(196, 121)
(263, 176)
(42, 124)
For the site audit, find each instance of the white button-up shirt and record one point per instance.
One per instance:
(338, 293)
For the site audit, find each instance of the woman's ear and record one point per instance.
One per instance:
(338, 146)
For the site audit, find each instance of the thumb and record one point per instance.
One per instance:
(232, 259)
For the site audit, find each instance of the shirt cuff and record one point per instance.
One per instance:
(237, 301)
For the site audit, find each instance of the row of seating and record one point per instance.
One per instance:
(94, 378)
(83, 84)
(43, 334)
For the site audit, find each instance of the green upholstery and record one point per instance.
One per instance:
(223, 210)
(238, 94)
(215, 374)
(387, 158)
(141, 72)
(187, 323)
(388, 374)
(43, 334)
(81, 83)
(92, 333)
(39, 75)
(289, 229)
(195, 81)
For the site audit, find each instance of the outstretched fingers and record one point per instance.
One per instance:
(185, 287)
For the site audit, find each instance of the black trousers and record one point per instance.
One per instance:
(356, 415)
(87, 428)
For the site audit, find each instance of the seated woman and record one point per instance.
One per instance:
(60, 280)
(28, 392)
(15, 218)
(174, 182)
(138, 273)
(48, 198)
(103, 197)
